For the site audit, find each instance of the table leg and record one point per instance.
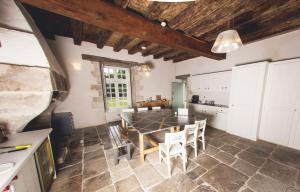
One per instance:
(175, 129)
(141, 140)
(123, 123)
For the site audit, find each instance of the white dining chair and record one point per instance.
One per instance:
(192, 134)
(183, 111)
(128, 110)
(156, 108)
(174, 146)
(201, 135)
(142, 109)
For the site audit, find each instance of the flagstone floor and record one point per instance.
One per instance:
(229, 163)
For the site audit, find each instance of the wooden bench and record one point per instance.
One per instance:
(120, 143)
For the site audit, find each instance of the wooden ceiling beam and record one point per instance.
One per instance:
(104, 35)
(223, 16)
(138, 47)
(164, 53)
(168, 58)
(121, 3)
(196, 12)
(122, 43)
(153, 50)
(77, 28)
(105, 15)
(183, 57)
(266, 20)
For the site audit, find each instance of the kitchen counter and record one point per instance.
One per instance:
(216, 114)
(20, 158)
(215, 105)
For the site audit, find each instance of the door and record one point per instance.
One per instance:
(245, 99)
(177, 95)
(117, 91)
(280, 104)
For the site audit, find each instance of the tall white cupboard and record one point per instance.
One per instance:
(280, 120)
(246, 94)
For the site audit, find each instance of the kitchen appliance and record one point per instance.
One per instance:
(45, 165)
(211, 102)
(195, 99)
(3, 137)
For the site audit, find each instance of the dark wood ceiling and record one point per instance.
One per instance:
(202, 20)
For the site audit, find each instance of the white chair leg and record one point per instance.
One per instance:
(196, 148)
(169, 166)
(184, 165)
(203, 143)
(159, 155)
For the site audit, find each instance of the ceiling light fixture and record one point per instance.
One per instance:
(163, 24)
(145, 69)
(227, 41)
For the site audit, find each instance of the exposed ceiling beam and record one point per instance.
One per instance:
(176, 55)
(153, 50)
(163, 54)
(122, 43)
(122, 3)
(183, 57)
(195, 13)
(104, 35)
(77, 27)
(223, 16)
(138, 47)
(109, 60)
(105, 15)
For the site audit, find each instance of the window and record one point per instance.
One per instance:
(117, 87)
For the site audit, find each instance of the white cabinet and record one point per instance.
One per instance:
(216, 116)
(246, 99)
(213, 82)
(27, 178)
(280, 116)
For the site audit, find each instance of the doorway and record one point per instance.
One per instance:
(178, 95)
(117, 91)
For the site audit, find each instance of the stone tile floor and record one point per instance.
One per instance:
(229, 163)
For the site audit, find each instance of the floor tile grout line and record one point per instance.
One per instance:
(82, 163)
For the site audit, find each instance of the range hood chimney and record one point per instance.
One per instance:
(31, 80)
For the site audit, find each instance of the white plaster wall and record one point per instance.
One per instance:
(280, 47)
(80, 96)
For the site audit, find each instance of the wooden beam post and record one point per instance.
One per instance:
(77, 31)
(104, 35)
(122, 43)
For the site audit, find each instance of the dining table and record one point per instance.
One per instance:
(153, 121)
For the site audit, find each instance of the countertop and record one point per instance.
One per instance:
(216, 105)
(20, 158)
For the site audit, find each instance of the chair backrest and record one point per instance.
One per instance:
(129, 110)
(183, 111)
(201, 125)
(156, 108)
(192, 130)
(142, 109)
(174, 138)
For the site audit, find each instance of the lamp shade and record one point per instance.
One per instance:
(227, 41)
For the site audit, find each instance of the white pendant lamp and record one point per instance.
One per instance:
(227, 41)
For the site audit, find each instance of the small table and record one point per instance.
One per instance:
(154, 121)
